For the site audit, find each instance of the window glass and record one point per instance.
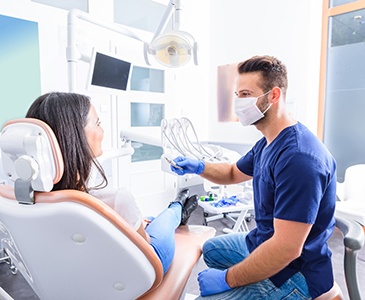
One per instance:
(147, 114)
(344, 123)
(348, 28)
(66, 4)
(334, 3)
(141, 14)
(148, 80)
(144, 152)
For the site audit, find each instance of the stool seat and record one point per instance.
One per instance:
(334, 293)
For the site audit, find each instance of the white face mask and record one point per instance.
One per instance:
(247, 110)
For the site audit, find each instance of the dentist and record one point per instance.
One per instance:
(294, 180)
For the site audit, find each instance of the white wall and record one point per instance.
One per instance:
(227, 32)
(289, 30)
(192, 82)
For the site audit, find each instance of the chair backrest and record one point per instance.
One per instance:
(64, 242)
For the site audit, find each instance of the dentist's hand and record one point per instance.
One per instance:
(212, 281)
(188, 166)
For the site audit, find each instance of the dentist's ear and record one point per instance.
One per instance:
(276, 94)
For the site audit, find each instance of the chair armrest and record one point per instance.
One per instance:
(353, 241)
(189, 242)
(353, 233)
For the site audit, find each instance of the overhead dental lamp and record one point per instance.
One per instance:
(174, 48)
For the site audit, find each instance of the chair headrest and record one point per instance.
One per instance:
(31, 156)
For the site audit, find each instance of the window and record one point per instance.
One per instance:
(346, 29)
(147, 80)
(147, 114)
(129, 13)
(144, 152)
(66, 4)
(340, 2)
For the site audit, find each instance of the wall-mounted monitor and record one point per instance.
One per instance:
(108, 71)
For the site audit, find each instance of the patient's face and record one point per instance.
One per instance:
(94, 132)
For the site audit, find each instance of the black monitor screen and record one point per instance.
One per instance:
(110, 72)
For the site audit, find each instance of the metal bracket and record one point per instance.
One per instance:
(24, 192)
(7, 259)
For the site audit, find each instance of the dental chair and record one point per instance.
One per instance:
(68, 244)
(351, 194)
(353, 240)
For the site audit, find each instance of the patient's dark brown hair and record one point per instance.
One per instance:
(66, 114)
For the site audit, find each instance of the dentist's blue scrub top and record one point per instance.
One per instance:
(294, 178)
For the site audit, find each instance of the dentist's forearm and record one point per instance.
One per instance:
(223, 173)
(271, 256)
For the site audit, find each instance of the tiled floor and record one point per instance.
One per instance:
(18, 288)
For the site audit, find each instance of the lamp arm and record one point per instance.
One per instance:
(195, 53)
(166, 17)
(146, 50)
(177, 15)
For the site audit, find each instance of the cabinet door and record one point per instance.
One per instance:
(149, 100)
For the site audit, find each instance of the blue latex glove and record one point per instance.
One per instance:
(212, 281)
(188, 165)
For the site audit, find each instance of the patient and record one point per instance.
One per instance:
(77, 127)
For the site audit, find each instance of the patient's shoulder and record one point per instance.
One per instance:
(110, 192)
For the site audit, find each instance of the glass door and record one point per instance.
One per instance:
(344, 87)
